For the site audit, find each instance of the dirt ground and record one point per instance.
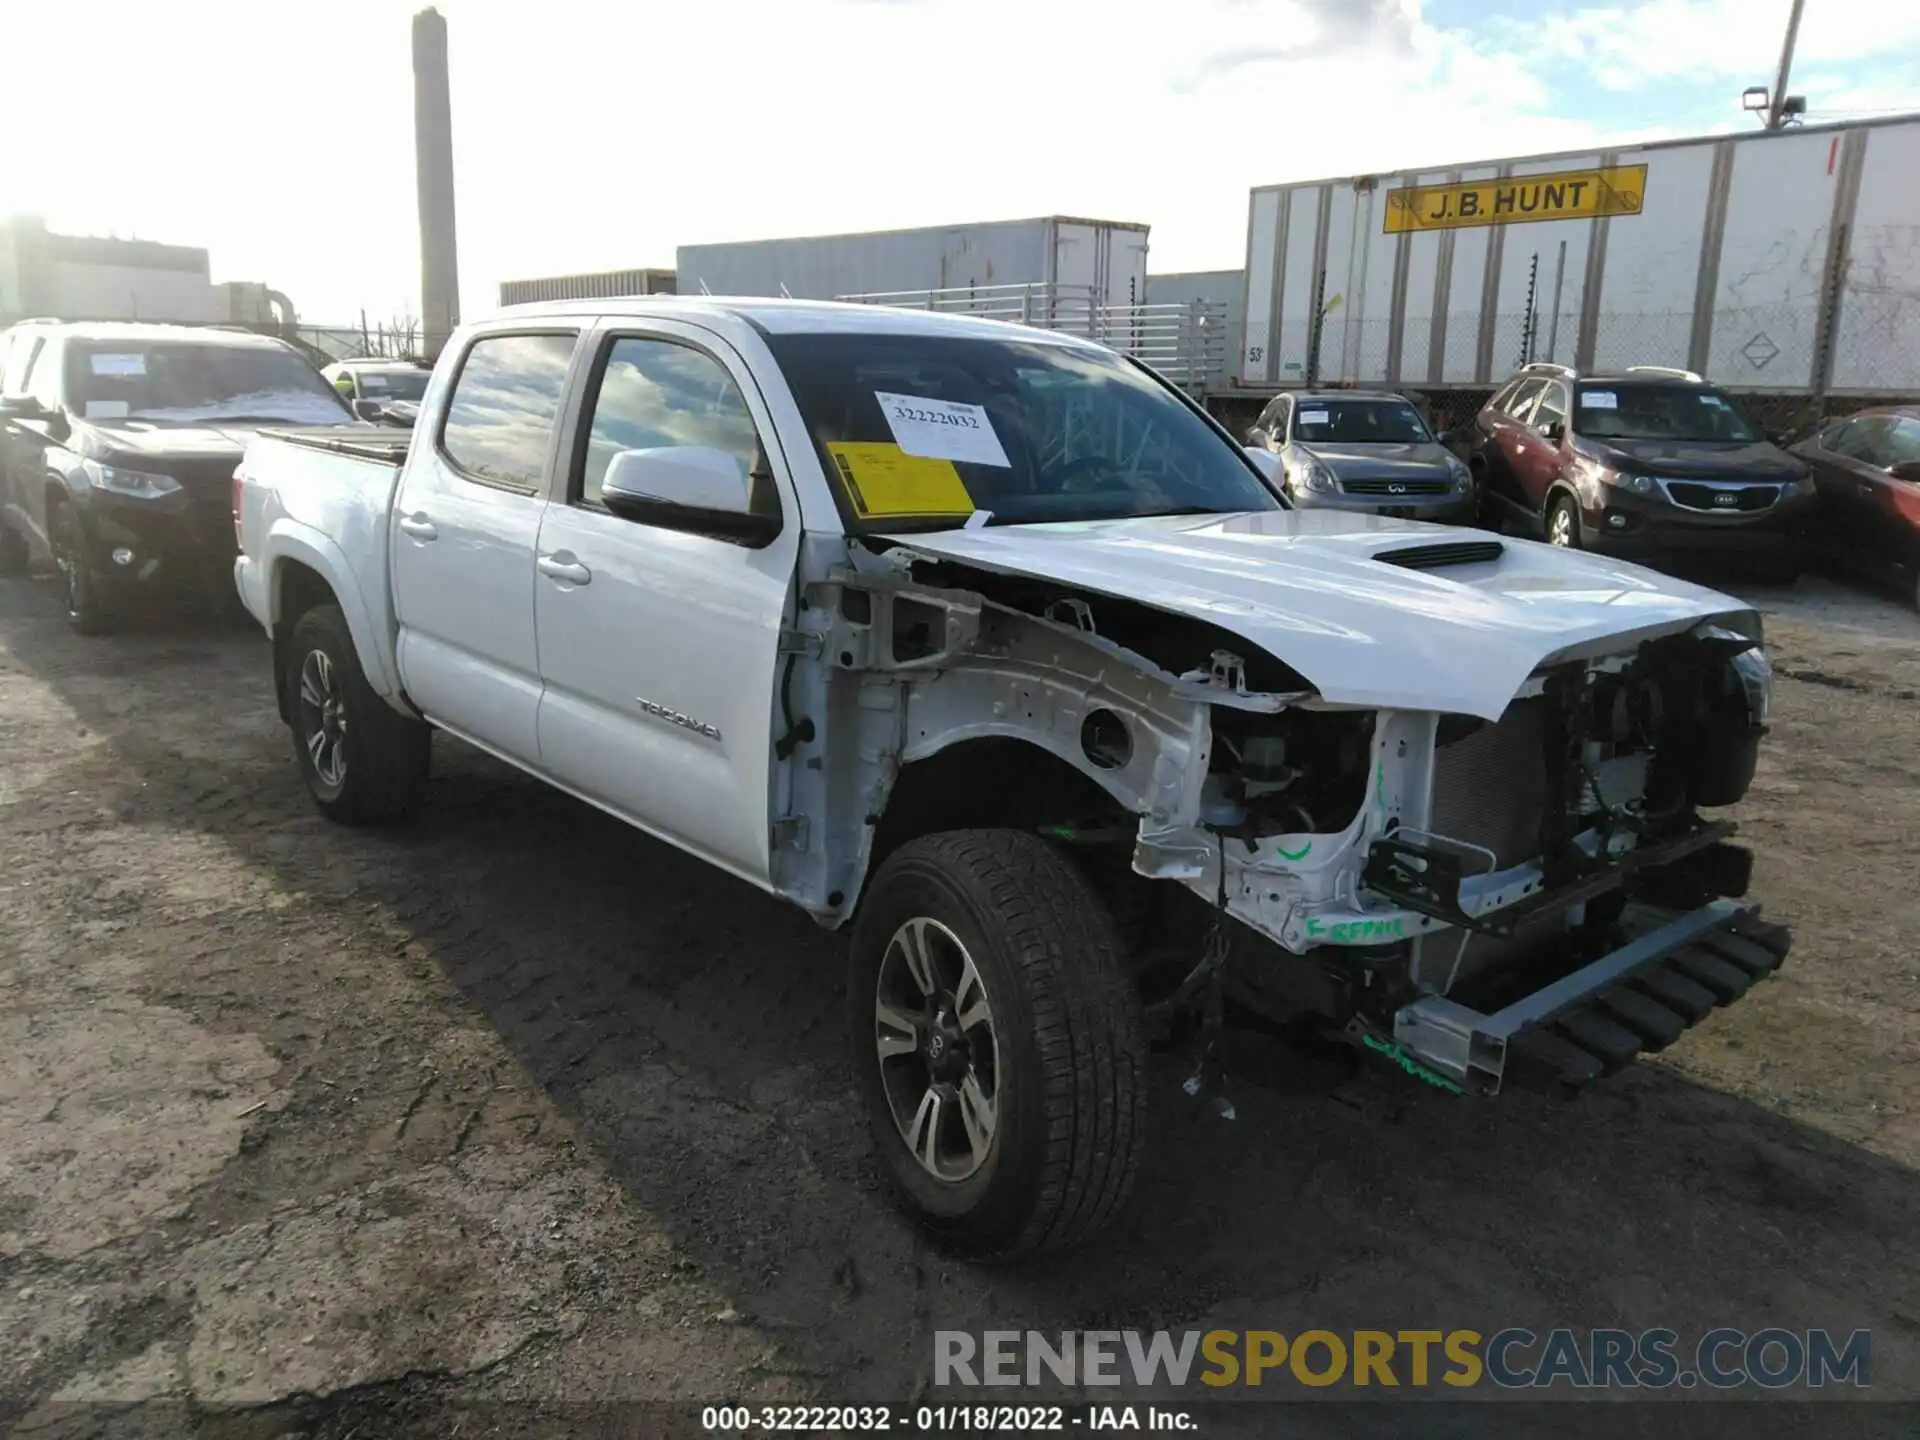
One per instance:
(516, 1104)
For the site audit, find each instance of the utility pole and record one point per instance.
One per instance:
(1777, 103)
(433, 158)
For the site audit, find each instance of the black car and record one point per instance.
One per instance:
(1364, 451)
(1646, 463)
(119, 448)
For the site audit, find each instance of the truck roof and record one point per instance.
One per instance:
(790, 317)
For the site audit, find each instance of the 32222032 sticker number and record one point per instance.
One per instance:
(936, 417)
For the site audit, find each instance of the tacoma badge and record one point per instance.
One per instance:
(675, 717)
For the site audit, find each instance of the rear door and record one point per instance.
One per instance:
(659, 648)
(463, 532)
(21, 446)
(1506, 431)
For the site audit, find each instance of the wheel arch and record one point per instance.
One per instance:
(986, 781)
(305, 570)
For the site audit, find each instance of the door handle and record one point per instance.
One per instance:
(562, 566)
(419, 527)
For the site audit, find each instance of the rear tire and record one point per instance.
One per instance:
(1563, 523)
(1003, 1069)
(13, 551)
(364, 762)
(87, 610)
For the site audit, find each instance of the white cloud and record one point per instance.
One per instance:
(600, 135)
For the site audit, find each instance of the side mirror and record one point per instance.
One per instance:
(1552, 432)
(369, 409)
(21, 407)
(1265, 461)
(687, 487)
(1906, 470)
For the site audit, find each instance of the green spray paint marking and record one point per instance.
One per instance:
(1300, 854)
(1412, 1066)
(1380, 789)
(1348, 931)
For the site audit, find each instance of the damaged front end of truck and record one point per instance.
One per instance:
(1519, 881)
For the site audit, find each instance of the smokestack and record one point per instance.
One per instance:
(433, 161)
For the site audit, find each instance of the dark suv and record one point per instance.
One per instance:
(1647, 464)
(118, 445)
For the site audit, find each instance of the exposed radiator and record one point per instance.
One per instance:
(1490, 788)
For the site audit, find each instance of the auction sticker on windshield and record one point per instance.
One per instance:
(1599, 400)
(884, 482)
(942, 430)
(134, 364)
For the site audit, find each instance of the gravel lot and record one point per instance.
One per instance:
(518, 1104)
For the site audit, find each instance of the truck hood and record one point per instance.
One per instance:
(1698, 459)
(1306, 586)
(132, 441)
(1409, 460)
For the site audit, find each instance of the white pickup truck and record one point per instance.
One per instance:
(992, 644)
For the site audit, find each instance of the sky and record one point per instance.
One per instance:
(590, 136)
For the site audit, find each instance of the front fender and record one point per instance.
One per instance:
(290, 542)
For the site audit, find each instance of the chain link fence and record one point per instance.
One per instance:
(1780, 360)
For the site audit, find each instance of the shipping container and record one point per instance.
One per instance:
(1773, 262)
(1105, 257)
(601, 285)
(1219, 296)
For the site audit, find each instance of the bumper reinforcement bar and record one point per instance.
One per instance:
(1590, 1023)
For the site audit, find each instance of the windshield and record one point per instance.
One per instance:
(930, 428)
(1613, 411)
(409, 384)
(198, 382)
(1359, 422)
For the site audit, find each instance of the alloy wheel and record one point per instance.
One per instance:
(939, 1054)
(323, 719)
(1560, 527)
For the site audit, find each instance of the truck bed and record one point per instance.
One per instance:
(385, 444)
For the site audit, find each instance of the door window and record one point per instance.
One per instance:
(1521, 401)
(659, 394)
(21, 351)
(1552, 408)
(1861, 439)
(42, 378)
(501, 415)
(1900, 444)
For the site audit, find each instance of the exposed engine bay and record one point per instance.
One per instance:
(1405, 876)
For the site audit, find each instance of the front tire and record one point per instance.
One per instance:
(998, 1042)
(1563, 523)
(364, 762)
(87, 610)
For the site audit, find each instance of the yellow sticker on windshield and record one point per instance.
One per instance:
(886, 483)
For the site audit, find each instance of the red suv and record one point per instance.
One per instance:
(1647, 464)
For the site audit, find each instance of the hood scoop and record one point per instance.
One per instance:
(1438, 557)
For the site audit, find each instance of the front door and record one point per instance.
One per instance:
(463, 532)
(659, 649)
(1536, 454)
(1505, 432)
(1855, 492)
